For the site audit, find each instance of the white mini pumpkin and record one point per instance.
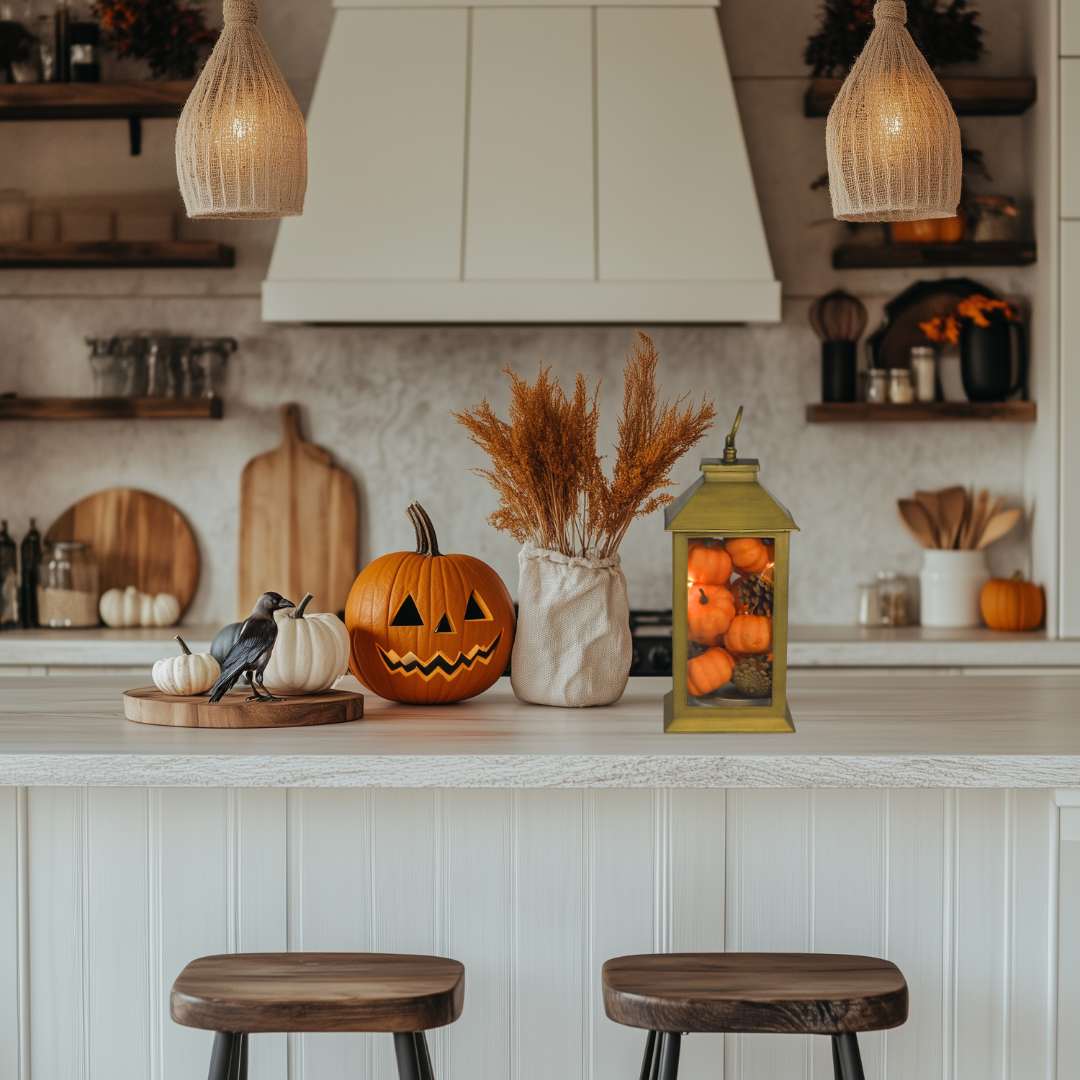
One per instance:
(165, 610)
(111, 607)
(187, 674)
(132, 606)
(311, 652)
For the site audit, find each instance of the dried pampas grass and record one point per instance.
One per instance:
(551, 486)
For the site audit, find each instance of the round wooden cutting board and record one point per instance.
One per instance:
(138, 538)
(149, 705)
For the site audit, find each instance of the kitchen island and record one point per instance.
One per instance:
(933, 820)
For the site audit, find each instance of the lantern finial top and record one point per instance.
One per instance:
(730, 456)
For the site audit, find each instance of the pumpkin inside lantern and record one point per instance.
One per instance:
(428, 628)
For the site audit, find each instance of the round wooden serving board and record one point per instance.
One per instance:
(138, 538)
(149, 705)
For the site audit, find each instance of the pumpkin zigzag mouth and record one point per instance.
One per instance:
(410, 663)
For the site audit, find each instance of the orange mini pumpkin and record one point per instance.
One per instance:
(709, 611)
(749, 634)
(708, 565)
(1011, 603)
(428, 628)
(708, 672)
(748, 554)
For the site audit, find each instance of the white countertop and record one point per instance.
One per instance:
(932, 731)
(809, 646)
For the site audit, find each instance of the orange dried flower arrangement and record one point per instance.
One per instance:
(552, 489)
(939, 330)
(975, 308)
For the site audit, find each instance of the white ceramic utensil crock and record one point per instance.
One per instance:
(950, 584)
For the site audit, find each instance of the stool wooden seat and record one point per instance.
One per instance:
(239, 994)
(786, 993)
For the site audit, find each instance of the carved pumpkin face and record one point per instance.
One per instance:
(428, 628)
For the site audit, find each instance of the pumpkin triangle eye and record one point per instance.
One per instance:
(408, 614)
(475, 610)
(444, 626)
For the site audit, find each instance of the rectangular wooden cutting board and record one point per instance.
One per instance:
(298, 524)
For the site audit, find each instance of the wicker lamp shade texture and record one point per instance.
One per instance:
(892, 138)
(241, 145)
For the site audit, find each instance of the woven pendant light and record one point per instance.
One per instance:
(892, 138)
(241, 145)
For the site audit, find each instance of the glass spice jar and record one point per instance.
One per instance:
(901, 392)
(9, 580)
(924, 372)
(884, 602)
(68, 589)
(877, 386)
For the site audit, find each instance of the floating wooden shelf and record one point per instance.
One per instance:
(859, 412)
(93, 101)
(58, 408)
(112, 254)
(963, 253)
(969, 97)
(96, 101)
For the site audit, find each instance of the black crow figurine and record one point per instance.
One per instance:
(251, 652)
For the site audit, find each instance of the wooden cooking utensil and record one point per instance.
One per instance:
(298, 524)
(928, 500)
(952, 501)
(970, 533)
(138, 539)
(998, 526)
(918, 523)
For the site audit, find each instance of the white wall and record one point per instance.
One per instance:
(379, 398)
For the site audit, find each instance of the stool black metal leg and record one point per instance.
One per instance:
(669, 1056)
(846, 1060)
(413, 1058)
(647, 1071)
(228, 1059)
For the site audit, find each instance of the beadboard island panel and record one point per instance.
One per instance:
(532, 890)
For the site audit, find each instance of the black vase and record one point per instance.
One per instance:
(838, 371)
(993, 359)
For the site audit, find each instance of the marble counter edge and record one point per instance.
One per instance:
(540, 771)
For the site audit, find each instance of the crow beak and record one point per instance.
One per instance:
(284, 604)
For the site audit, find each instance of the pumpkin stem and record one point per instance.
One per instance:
(183, 645)
(427, 543)
(704, 598)
(299, 612)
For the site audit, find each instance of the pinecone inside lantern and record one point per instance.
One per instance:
(753, 677)
(754, 595)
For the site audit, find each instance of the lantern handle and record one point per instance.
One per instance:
(729, 440)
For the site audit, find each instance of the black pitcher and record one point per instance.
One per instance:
(993, 358)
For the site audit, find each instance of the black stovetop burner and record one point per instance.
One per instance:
(651, 633)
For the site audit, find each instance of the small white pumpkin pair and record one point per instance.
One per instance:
(187, 674)
(129, 607)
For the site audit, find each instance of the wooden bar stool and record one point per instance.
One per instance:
(671, 994)
(242, 993)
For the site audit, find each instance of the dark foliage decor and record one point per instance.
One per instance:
(945, 34)
(169, 35)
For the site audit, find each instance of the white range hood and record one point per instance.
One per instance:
(524, 163)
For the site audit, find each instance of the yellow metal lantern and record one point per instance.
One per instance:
(730, 546)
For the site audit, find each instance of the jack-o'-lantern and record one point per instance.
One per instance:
(428, 628)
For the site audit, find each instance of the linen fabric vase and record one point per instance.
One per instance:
(572, 647)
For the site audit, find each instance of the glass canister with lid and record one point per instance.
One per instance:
(68, 586)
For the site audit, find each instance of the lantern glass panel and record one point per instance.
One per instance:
(729, 620)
